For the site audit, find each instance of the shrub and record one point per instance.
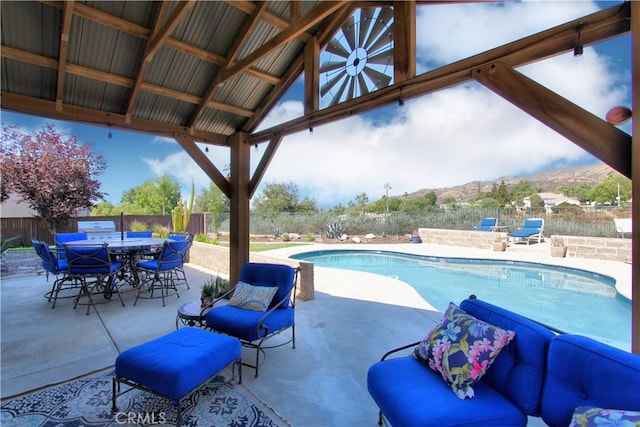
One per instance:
(285, 237)
(160, 230)
(138, 226)
(203, 238)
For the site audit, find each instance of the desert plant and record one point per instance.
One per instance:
(214, 287)
(209, 288)
(334, 229)
(285, 237)
(277, 232)
(309, 237)
(181, 214)
(557, 241)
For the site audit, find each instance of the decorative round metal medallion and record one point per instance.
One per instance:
(359, 58)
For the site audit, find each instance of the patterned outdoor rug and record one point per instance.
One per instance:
(87, 402)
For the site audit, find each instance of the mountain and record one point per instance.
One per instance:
(549, 181)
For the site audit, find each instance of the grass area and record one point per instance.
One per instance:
(21, 249)
(259, 246)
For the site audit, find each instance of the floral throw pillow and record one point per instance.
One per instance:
(251, 297)
(461, 349)
(588, 416)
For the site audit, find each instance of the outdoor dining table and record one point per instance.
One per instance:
(128, 248)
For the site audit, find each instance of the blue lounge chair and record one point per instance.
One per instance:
(487, 224)
(533, 228)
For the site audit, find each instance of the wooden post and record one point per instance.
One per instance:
(239, 205)
(635, 177)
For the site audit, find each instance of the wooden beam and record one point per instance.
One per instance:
(267, 156)
(404, 40)
(239, 204)
(67, 17)
(160, 36)
(292, 74)
(122, 25)
(635, 178)
(94, 74)
(72, 113)
(594, 135)
(313, 17)
(188, 143)
(598, 26)
(144, 64)
(311, 76)
(239, 42)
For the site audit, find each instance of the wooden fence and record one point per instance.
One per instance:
(30, 228)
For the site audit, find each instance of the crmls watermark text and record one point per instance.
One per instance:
(140, 418)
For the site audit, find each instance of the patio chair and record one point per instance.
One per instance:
(533, 228)
(262, 305)
(162, 272)
(93, 267)
(487, 224)
(62, 238)
(146, 253)
(145, 234)
(59, 268)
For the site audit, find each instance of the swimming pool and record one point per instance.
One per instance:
(569, 299)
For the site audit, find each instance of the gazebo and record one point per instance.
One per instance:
(208, 72)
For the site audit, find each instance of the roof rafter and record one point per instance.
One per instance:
(159, 35)
(336, 21)
(136, 30)
(214, 86)
(598, 26)
(314, 16)
(67, 17)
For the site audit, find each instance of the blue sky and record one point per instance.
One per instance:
(451, 137)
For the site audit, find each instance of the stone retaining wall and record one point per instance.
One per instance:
(216, 258)
(605, 248)
(598, 248)
(463, 238)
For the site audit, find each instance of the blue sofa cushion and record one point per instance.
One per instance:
(518, 371)
(250, 297)
(410, 394)
(242, 323)
(588, 416)
(176, 363)
(585, 372)
(461, 348)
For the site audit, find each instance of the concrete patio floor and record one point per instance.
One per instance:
(354, 319)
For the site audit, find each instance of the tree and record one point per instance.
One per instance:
(426, 203)
(165, 189)
(607, 190)
(361, 202)
(282, 197)
(581, 191)
(54, 173)
(213, 201)
(148, 198)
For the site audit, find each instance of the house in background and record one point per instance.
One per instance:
(552, 200)
(13, 208)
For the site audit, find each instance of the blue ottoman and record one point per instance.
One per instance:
(177, 363)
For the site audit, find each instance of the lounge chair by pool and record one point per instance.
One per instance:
(533, 228)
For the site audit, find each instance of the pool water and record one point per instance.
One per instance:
(568, 299)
